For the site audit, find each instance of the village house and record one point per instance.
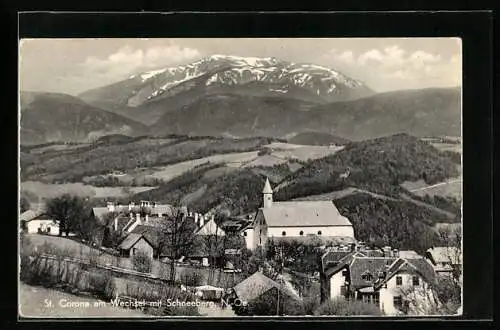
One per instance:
(379, 276)
(258, 284)
(295, 219)
(136, 243)
(446, 260)
(38, 222)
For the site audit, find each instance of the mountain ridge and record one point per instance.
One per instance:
(140, 93)
(47, 117)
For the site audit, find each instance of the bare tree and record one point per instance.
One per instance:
(176, 237)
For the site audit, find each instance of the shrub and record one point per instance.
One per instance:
(264, 151)
(343, 307)
(101, 284)
(267, 304)
(158, 291)
(191, 277)
(142, 262)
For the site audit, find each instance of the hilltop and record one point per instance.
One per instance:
(421, 113)
(47, 117)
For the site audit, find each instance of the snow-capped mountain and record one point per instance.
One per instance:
(228, 74)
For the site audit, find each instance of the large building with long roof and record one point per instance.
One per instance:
(300, 220)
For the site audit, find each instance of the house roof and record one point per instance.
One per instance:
(445, 254)
(332, 257)
(131, 240)
(420, 266)
(100, 212)
(150, 234)
(29, 215)
(409, 254)
(303, 213)
(257, 284)
(363, 265)
(210, 228)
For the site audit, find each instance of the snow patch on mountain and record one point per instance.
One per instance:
(236, 70)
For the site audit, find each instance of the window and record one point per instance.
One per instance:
(367, 276)
(399, 280)
(283, 233)
(416, 281)
(319, 232)
(301, 233)
(398, 302)
(245, 233)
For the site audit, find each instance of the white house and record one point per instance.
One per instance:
(297, 219)
(396, 285)
(35, 222)
(445, 259)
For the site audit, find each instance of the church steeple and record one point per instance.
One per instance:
(267, 193)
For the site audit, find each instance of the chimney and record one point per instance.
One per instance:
(138, 216)
(196, 218)
(116, 223)
(202, 221)
(147, 218)
(387, 251)
(111, 207)
(353, 247)
(131, 206)
(395, 253)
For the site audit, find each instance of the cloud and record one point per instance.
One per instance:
(128, 60)
(395, 68)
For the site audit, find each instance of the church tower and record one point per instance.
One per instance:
(267, 194)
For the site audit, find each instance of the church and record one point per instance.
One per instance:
(297, 220)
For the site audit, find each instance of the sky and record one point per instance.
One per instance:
(73, 66)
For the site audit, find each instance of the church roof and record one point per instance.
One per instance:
(304, 214)
(267, 187)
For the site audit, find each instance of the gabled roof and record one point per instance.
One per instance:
(150, 234)
(29, 215)
(419, 266)
(300, 214)
(446, 254)
(100, 212)
(364, 265)
(409, 254)
(131, 240)
(211, 228)
(257, 284)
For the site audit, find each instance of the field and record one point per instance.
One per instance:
(448, 147)
(301, 152)
(32, 304)
(231, 159)
(50, 190)
(450, 188)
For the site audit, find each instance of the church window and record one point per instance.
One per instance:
(301, 233)
(319, 232)
(283, 233)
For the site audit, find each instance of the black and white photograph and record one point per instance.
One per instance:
(235, 177)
